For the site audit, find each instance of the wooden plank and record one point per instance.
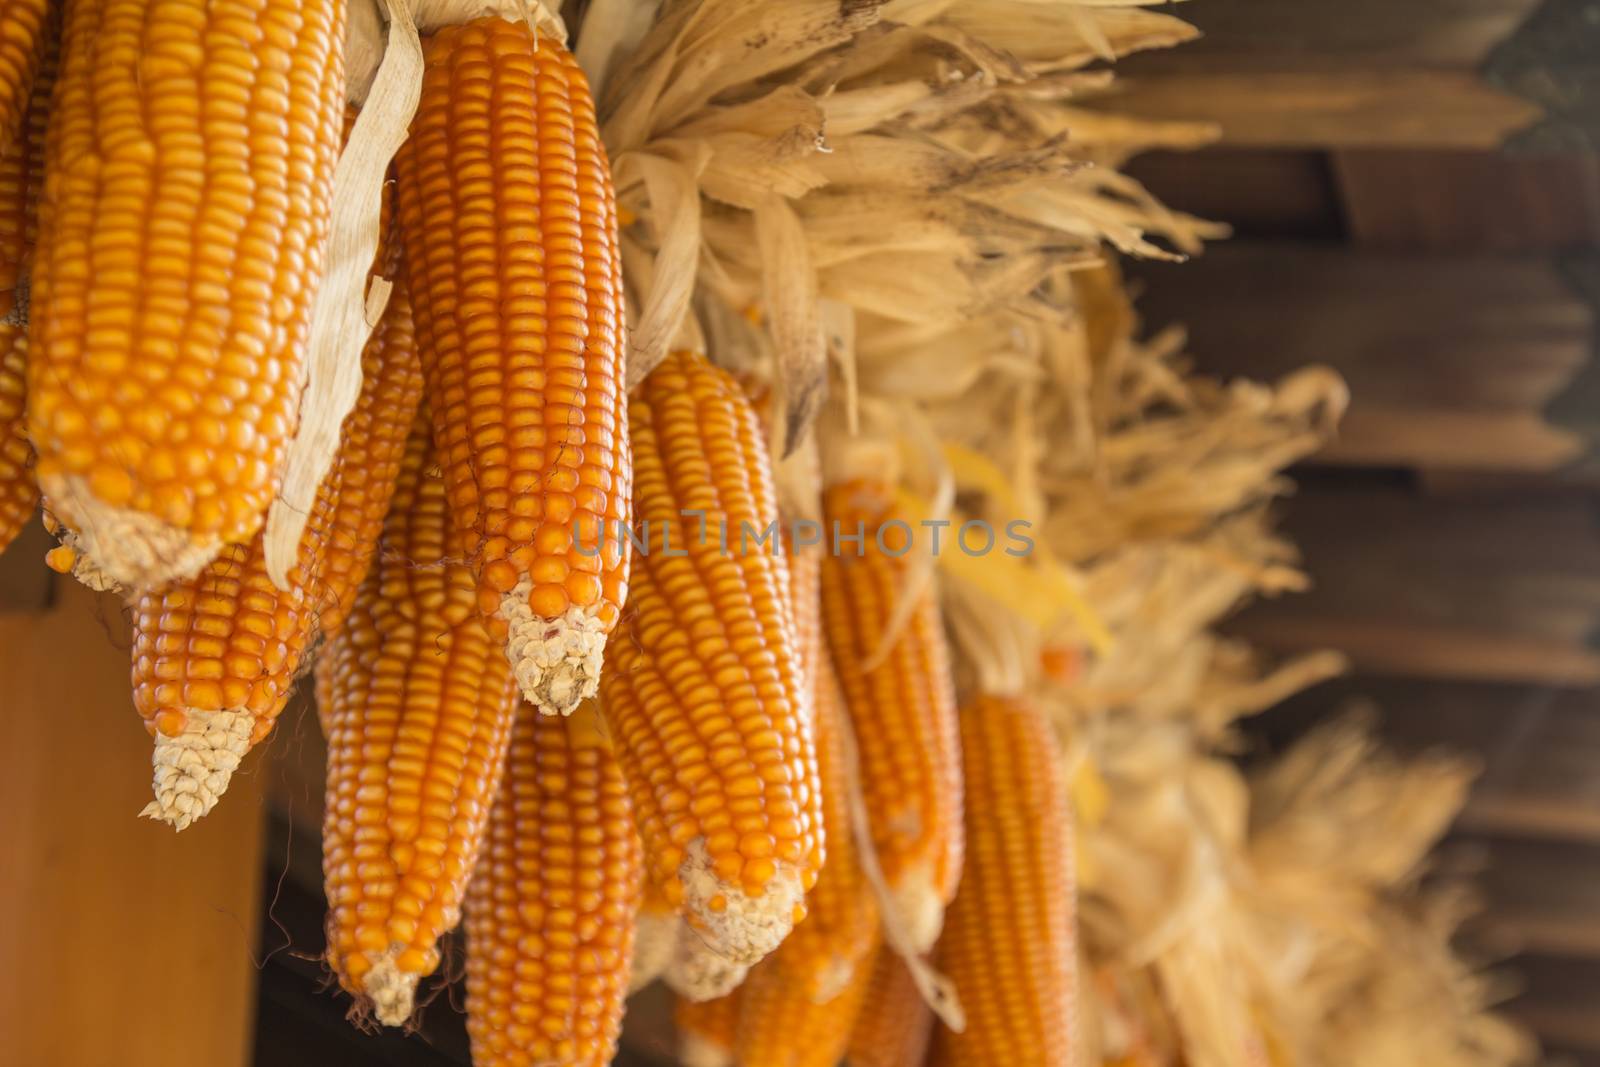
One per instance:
(1256, 35)
(1542, 897)
(1303, 109)
(128, 944)
(1451, 361)
(1273, 194)
(1326, 73)
(1470, 201)
(1558, 1002)
(1539, 746)
(1443, 588)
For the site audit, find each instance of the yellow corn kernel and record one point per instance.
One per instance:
(895, 1022)
(781, 1026)
(703, 685)
(706, 1030)
(551, 907)
(821, 955)
(215, 657)
(511, 242)
(417, 703)
(1009, 941)
(24, 25)
(189, 177)
(902, 710)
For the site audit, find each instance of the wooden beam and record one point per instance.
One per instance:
(1330, 109)
(1557, 1002)
(1443, 588)
(1260, 193)
(126, 943)
(1452, 362)
(1325, 73)
(1478, 202)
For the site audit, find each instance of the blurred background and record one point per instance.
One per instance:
(1415, 193)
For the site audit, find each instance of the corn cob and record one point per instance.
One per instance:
(24, 24)
(550, 909)
(895, 1022)
(822, 953)
(215, 657)
(781, 1026)
(703, 692)
(902, 710)
(1009, 943)
(706, 1030)
(417, 703)
(21, 179)
(189, 179)
(511, 238)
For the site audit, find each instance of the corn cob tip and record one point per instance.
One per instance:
(697, 1050)
(393, 992)
(655, 937)
(556, 661)
(698, 972)
(834, 978)
(192, 769)
(919, 906)
(743, 927)
(133, 549)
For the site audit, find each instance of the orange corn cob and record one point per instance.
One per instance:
(895, 1023)
(1009, 942)
(706, 1030)
(23, 27)
(703, 690)
(21, 179)
(781, 1026)
(417, 703)
(215, 657)
(189, 179)
(550, 909)
(822, 953)
(902, 710)
(511, 240)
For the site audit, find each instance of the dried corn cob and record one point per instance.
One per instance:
(216, 656)
(1009, 941)
(511, 241)
(551, 906)
(417, 703)
(781, 1026)
(902, 709)
(24, 24)
(703, 688)
(21, 179)
(822, 953)
(706, 1030)
(895, 1022)
(189, 177)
